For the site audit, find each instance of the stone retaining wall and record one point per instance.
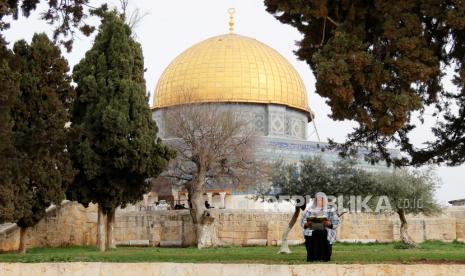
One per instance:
(173, 228)
(448, 226)
(159, 269)
(73, 224)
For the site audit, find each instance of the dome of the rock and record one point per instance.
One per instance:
(241, 75)
(233, 69)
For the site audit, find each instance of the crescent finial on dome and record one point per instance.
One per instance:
(231, 12)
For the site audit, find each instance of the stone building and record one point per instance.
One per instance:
(243, 75)
(458, 202)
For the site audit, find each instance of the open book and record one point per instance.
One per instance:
(318, 218)
(317, 221)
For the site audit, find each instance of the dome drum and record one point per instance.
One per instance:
(269, 120)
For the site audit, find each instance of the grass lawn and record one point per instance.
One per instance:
(428, 252)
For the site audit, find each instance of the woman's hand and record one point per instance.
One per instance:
(327, 223)
(308, 224)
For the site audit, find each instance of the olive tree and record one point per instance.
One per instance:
(312, 175)
(408, 193)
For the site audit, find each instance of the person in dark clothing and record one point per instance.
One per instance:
(179, 206)
(319, 240)
(318, 247)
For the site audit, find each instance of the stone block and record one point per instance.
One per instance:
(225, 234)
(460, 229)
(255, 242)
(170, 243)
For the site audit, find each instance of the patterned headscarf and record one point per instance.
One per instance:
(325, 201)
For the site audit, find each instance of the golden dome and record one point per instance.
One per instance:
(231, 68)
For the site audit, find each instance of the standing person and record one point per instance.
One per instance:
(319, 240)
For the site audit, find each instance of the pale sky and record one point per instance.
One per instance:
(172, 26)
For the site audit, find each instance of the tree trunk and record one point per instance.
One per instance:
(404, 236)
(285, 242)
(22, 240)
(203, 221)
(110, 227)
(101, 227)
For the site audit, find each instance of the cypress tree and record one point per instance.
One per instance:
(9, 90)
(39, 134)
(116, 147)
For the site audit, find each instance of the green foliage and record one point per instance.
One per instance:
(9, 173)
(116, 146)
(39, 168)
(340, 178)
(314, 175)
(413, 192)
(410, 191)
(285, 179)
(382, 64)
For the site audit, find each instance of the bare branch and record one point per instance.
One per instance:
(332, 21)
(131, 17)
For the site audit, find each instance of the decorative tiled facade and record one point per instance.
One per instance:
(268, 120)
(260, 123)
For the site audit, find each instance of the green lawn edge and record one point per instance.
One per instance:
(343, 253)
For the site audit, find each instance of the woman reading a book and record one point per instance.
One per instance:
(319, 223)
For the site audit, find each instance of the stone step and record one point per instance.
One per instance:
(134, 243)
